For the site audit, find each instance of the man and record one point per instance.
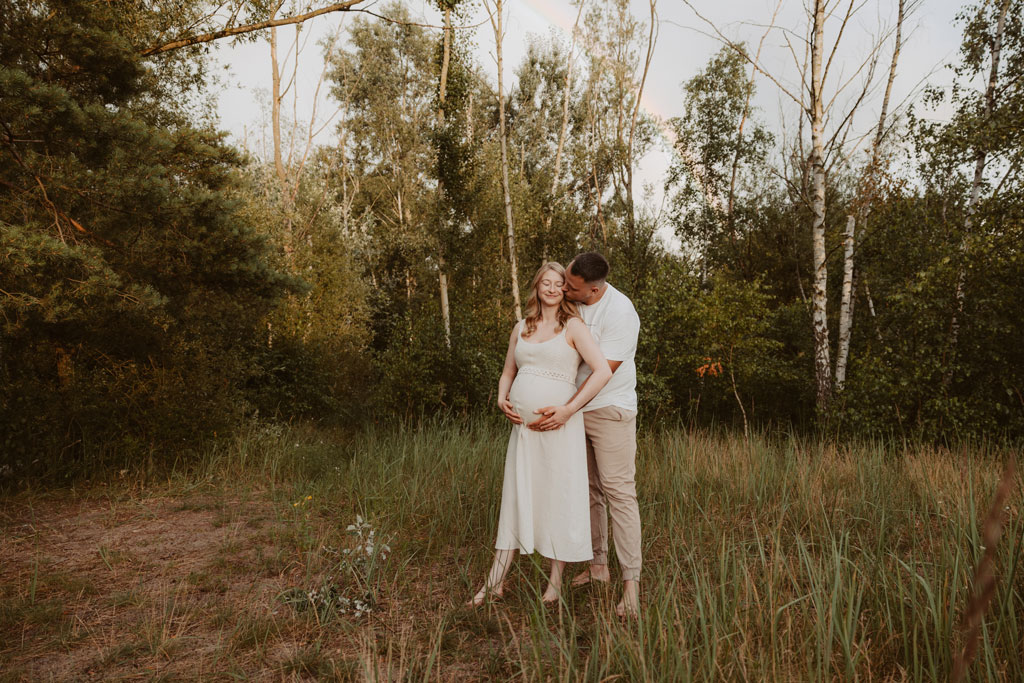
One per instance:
(610, 423)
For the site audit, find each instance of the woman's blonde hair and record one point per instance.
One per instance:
(566, 309)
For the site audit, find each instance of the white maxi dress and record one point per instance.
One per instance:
(545, 498)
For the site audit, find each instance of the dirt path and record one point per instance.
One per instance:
(143, 588)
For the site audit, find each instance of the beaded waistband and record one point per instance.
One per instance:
(549, 374)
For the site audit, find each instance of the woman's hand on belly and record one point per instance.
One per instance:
(509, 410)
(551, 417)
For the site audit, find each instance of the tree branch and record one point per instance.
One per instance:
(248, 28)
(721, 37)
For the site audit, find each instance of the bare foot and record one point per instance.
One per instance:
(486, 594)
(595, 572)
(629, 606)
(551, 594)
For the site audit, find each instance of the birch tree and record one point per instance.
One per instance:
(635, 241)
(862, 203)
(817, 98)
(442, 267)
(495, 16)
(386, 74)
(726, 156)
(819, 296)
(289, 165)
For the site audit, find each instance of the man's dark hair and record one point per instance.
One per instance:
(590, 266)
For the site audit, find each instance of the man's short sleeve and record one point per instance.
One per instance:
(618, 339)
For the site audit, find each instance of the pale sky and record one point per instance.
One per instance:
(682, 49)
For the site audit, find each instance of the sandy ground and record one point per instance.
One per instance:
(156, 587)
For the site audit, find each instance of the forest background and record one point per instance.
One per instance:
(161, 285)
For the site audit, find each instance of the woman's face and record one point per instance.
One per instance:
(549, 288)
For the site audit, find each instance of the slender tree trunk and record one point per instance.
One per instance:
(630, 208)
(736, 393)
(846, 306)
(871, 309)
(562, 130)
(880, 131)
(442, 277)
(275, 106)
(819, 300)
(980, 159)
(496, 24)
(598, 193)
(867, 194)
(275, 117)
(442, 273)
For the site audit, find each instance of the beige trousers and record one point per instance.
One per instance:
(611, 466)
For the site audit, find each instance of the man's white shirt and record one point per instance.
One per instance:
(616, 327)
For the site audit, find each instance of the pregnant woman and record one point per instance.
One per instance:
(545, 504)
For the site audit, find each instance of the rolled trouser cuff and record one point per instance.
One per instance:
(630, 574)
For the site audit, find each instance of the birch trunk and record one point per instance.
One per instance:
(496, 24)
(867, 194)
(846, 306)
(442, 277)
(981, 158)
(822, 364)
(442, 274)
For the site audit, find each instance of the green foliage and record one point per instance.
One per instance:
(723, 161)
(132, 285)
(156, 286)
(944, 261)
(414, 189)
(311, 350)
(905, 376)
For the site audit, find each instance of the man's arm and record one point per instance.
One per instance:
(613, 364)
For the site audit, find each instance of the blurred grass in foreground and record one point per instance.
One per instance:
(773, 559)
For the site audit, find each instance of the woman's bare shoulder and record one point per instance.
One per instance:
(576, 329)
(576, 325)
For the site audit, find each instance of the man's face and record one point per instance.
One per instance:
(576, 289)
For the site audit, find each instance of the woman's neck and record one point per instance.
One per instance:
(549, 313)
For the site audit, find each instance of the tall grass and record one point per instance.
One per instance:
(769, 558)
(773, 558)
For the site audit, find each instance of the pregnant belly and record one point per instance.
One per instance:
(532, 392)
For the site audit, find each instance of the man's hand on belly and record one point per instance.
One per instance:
(551, 417)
